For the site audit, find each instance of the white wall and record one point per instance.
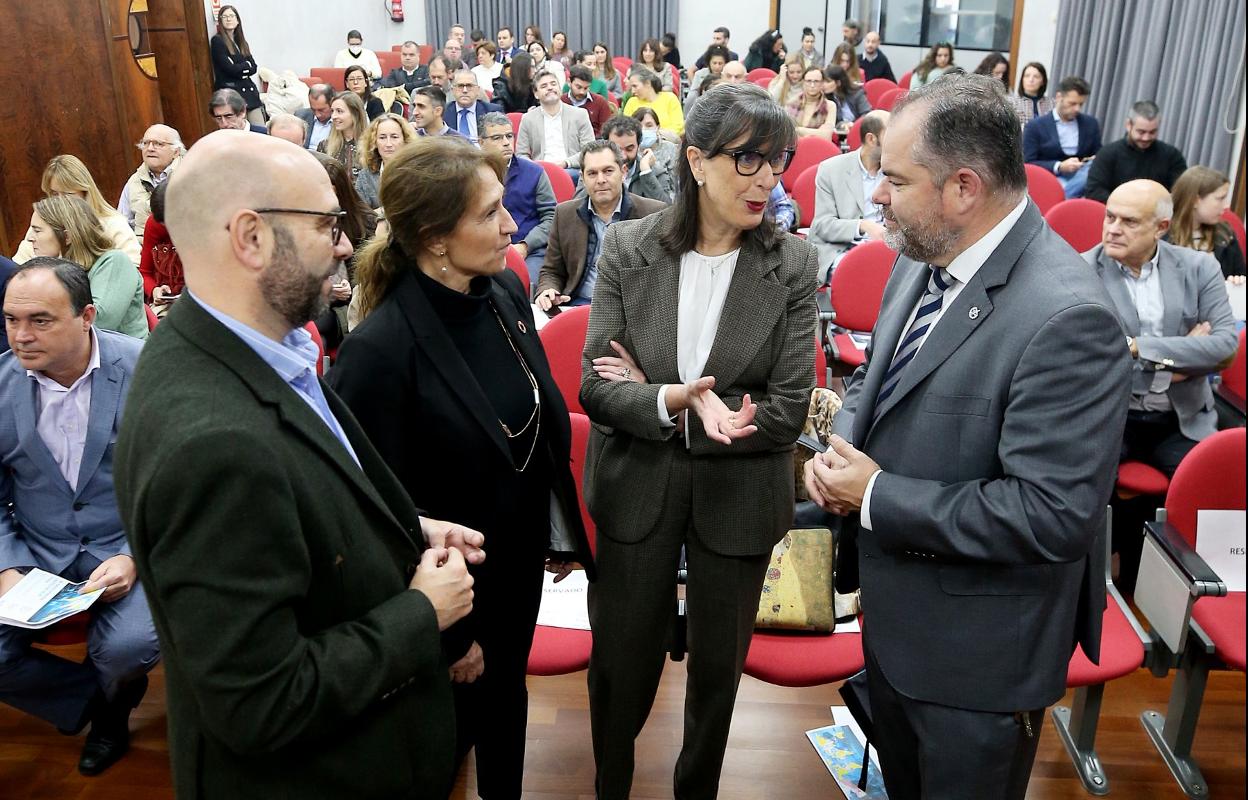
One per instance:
(745, 19)
(1038, 36)
(301, 34)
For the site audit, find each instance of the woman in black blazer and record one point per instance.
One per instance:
(233, 64)
(448, 378)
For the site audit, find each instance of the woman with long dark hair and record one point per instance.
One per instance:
(937, 62)
(514, 90)
(604, 68)
(356, 79)
(650, 56)
(696, 396)
(767, 51)
(232, 62)
(1030, 101)
(996, 65)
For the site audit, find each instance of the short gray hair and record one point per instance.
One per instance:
(969, 123)
(598, 145)
(228, 97)
(647, 75)
(491, 118)
(282, 120)
(1144, 109)
(1165, 207)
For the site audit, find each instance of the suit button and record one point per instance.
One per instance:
(78, 506)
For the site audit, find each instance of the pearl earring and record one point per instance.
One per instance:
(701, 182)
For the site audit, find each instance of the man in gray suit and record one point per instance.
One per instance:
(62, 393)
(573, 123)
(844, 211)
(983, 434)
(1176, 318)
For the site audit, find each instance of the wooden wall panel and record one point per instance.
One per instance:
(138, 96)
(180, 39)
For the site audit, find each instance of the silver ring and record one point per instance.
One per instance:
(626, 373)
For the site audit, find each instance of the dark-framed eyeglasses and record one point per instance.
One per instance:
(335, 231)
(500, 137)
(749, 162)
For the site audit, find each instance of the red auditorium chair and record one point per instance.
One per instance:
(621, 64)
(855, 294)
(1230, 392)
(152, 319)
(1124, 648)
(1045, 189)
(760, 72)
(877, 87)
(1137, 478)
(560, 181)
(905, 80)
(1078, 221)
(564, 340)
(1237, 225)
(762, 82)
(890, 98)
(804, 194)
(331, 75)
(558, 651)
(515, 117)
(320, 347)
(811, 151)
(1198, 624)
(69, 631)
(389, 59)
(853, 139)
(515, 263)
(821, 366)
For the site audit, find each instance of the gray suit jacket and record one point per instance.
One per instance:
(577, 132)
(742, 500)
(1194, 291)
(50, 522)
(839, 205)
(998, 449)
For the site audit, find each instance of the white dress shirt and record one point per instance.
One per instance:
(1150, 307)
(554, 148)
(64, 412)
(960, 270)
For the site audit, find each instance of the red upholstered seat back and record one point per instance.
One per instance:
(560, 181)
(811, 151)
(1045, 189)
(564, 340)
(1078, 221)
(515, 263)
(1233, 377)
(889, 99)
(804, 193)
(1237, 225)
(857, 287)
(1211, 476)
(580, 443)
(875, 88)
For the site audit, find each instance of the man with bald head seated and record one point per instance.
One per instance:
(297, 592)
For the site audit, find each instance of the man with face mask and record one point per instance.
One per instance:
(648, 159)
(356, 53)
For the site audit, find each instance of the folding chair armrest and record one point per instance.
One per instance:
(1203, 581)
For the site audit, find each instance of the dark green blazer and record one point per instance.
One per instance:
(298, 664)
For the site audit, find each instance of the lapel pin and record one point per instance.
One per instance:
(520, 325)
(973, 313)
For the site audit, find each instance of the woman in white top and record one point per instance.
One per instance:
(543, 64)
(66, 174)
(695, 396)
(487, 69)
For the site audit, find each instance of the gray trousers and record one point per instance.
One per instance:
(121, 646)
(631, 606)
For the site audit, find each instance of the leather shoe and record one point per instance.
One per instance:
(109, 738)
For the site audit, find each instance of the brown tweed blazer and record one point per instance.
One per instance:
(742, 500)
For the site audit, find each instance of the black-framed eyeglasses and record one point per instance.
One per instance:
(335, 231)
(749, 162)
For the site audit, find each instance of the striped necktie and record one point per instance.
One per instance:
(924, 318)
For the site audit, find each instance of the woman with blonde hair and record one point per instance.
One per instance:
(348, 121)
(1200, 197)
(384, 137)
(65, 226)
(448, 338)
(66, 174)
(787, 85)
(812, 113)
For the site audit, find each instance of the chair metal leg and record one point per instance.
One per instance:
(1076, 727)
(1173, 733)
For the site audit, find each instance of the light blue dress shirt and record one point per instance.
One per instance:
(1067, 134)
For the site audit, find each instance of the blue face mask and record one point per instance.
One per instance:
(648, 137)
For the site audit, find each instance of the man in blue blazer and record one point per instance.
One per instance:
(465, 113)
(62, 392)
(6, 271)
(1066, 141)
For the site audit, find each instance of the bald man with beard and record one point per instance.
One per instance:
(297, 592)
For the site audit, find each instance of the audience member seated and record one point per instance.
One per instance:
(644, 87)
(719, 37)
(409, 74)
(648, 159)
(851, 32)
(289, 127)
(571, 268)
(766, 52)
(937, 62)
(350, 122)
(1177, 319)
(527, 193)
(440, 74)
(162, 149)
(559, 50)
(427, 114)
(59, 512)
(1138, 154)
(1031, 100)
(232, 63)
(532, 34)
(457, 33)
(358, 225)
(513, 90)
(64, 226)
(7, 268)
(507, 48)
(873, 63)
(849, 98)
(161, 267)
(467, 109)
(650, 57)
(487, 68)
(812, 112)
(845, 58)
(715, 57)
(587, 59)
(230, 112)
(605, 69)
(671, 53)
(317, 115)
(66, 174)
(996, 65)
(1065, 141)
(578, 95)
(781, 208)
(1201, 195)
(476, 36)
(708, 83)
(356, 54)
(553, 131)
(357, 81)
(787, 85)
(810, 56)
(542, 63)
(384, 137)
(844, 213)
(453, 50)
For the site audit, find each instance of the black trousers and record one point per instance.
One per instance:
(934, 752)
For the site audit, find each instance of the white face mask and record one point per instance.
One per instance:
(355, 49)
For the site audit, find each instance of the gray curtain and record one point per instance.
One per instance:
(1188, 57)
(622, 25)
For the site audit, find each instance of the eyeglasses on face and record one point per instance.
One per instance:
(335, 232)
(146, 143)
(749, 162)
(500, 137)
(463, 87)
